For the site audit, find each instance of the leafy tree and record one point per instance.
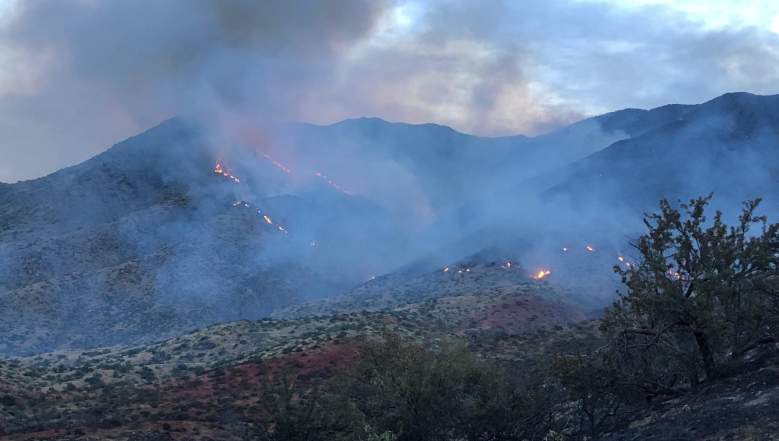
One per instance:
(699, 296)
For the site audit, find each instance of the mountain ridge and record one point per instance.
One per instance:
(152, 209)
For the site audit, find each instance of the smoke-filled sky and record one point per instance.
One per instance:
(79, 75)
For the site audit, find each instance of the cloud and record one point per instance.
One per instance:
(593, 57)
(82, 74)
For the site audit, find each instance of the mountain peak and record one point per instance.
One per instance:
(371, 123)
(743, 100)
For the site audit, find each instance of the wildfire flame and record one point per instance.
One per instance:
(331, 183)
(220, 170)
(625, 262)
(589, 248)
(541, 274)
(319, 175)
(446, 270)
(277, 164)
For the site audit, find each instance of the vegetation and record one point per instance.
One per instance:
(699, 297)
(702, 295)
(420, 394)
(699, 302)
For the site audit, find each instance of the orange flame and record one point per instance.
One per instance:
(277, 164)
(541, 274)
(333, 184)
(220, 170)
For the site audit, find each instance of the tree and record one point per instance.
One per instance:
(697, 296)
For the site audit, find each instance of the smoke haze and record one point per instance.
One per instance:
(81, 75)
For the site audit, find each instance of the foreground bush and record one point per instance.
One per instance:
(419, 394)
(699, 296)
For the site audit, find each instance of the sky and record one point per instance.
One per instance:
(77, 76)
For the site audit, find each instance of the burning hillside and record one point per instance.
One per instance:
(316, 174)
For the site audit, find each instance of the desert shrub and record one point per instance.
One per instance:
(416, 393)
(291, 410)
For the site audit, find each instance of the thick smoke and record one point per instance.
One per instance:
(184, 212)
(119, 67)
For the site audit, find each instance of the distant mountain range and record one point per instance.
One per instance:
(166, 231)
(728, 146)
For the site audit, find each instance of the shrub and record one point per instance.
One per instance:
(699, 296)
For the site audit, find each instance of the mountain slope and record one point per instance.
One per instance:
(145, 240)
(139, 242)
(729, 146)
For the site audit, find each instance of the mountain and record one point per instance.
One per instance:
(166, 232)
(169, 231)
(142, 241)
(154, 292)
(728, 146)
(444, 165)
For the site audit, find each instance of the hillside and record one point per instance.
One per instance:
(142, 241)
(216, 383)
(145, 240)
(168, 231)
(189, 384)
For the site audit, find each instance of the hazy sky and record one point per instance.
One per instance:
(79, 75)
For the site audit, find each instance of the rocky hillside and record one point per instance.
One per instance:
(142, 241)
(189, 386)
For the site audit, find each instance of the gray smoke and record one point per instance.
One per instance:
(79, 75)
